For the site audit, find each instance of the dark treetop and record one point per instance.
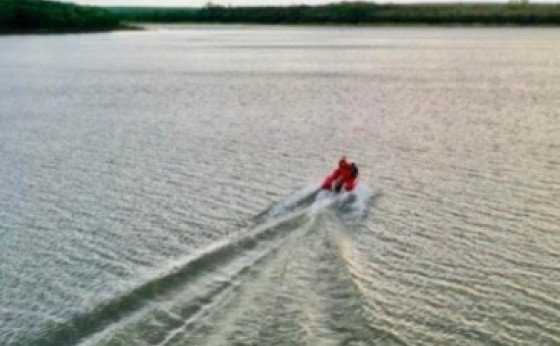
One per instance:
(30, 16)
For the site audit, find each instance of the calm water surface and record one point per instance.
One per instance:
(156, 187)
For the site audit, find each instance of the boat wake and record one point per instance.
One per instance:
(199, 288)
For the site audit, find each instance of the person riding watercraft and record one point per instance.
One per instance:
(345, 175)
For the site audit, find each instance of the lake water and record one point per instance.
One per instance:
(156, 188)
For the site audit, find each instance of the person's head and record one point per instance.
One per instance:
(342, 162)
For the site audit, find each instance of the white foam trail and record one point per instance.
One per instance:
(362, 195)
(312, 201)
(294, 200)
(355, 200)
(325, 199)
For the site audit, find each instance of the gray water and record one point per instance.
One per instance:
(156, 188)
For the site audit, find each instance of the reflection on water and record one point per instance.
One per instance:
(155, 187)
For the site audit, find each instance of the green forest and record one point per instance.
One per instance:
(23, 16)
(30, 16)
(520, 13)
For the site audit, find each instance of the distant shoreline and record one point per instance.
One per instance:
(147, 25)
(352, 13)
(32, 17)
(70, 32)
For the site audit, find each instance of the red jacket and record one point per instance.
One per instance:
(342, 174)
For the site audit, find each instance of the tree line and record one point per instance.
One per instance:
(50, 16)
(520, 13)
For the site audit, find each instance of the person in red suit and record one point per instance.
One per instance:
(345, 176)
